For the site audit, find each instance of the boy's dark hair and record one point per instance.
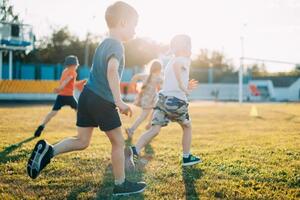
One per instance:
(117, 11)
(71, 60)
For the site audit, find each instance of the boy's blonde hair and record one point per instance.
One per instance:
(180, 42)
(117, 11)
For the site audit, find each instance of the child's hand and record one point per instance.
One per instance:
(124, 108)
(56, 90)
(192, 84)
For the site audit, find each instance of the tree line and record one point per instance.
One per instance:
(61, 42)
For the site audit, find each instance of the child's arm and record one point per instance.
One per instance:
(63, 84)
(177, 69)
(159, 84)
(114, 84)
(135, 79)
(138, 77)
(80, 84)
(192, 84)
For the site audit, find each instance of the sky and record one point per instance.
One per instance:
(270, 28)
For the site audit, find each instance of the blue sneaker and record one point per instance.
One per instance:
(191, 160)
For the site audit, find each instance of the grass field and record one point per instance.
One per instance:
(244, 157)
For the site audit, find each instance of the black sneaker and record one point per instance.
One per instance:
(38, 131)
(39, 159)
(128, 188)
(191, 160)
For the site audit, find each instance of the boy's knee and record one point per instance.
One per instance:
(186, 125)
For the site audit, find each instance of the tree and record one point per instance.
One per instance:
(61, 43)
(207, 63)
(54, 49)
(7, 14)
(215, 59)
(297, 68)
(258, 69)
(140, 51)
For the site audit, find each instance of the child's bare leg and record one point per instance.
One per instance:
(187, 158)
(148, 126)
(117, 154)
(79, 142)
(186, 137)
(147, 137)
(48, 117)
(144, 114)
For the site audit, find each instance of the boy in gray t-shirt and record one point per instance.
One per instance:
(98, 101)
(98, 81)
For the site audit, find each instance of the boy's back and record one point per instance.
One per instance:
(69, 88)
(170, 85)
(98, 82)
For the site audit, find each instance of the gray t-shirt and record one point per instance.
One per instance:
(97, 81)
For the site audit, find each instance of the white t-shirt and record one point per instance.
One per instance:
(170, 85)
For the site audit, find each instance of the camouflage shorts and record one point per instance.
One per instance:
(168, 109)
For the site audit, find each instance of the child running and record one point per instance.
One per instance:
(98, 102)
(65, 91)
(147, 97)
(172, 104)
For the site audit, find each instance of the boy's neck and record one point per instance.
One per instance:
(114, 33)
(71, 67)
(184, 56)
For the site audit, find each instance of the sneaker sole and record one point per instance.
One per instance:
(37, 155)
(191, 163)
(129, 193)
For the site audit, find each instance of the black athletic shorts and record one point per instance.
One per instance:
(94, 111)
(64, 101)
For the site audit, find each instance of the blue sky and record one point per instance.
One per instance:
(271, 28)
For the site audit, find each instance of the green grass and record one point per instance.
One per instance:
(244, 157)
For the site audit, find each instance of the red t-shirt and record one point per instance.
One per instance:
(69, 88)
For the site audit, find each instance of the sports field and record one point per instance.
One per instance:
(243, 157)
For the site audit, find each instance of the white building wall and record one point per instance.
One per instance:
(288, 93)
(294, 91)
(228, 92)
(27, 97)
(281, 93)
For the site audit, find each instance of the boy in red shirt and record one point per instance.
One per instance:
(65, 91)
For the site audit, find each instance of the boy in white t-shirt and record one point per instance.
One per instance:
(172, 104)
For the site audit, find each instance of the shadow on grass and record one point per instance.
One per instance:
(190, 175)
(76, 191)
(106, 185)
(4, 154)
